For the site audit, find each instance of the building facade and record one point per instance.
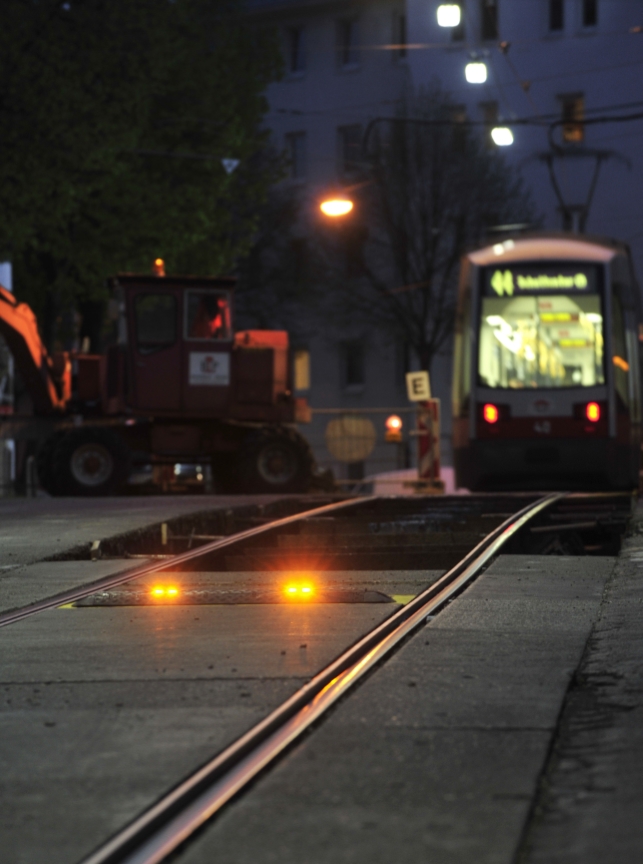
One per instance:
(558, 74)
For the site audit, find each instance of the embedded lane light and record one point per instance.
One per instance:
(449, 15)
(490, 413)
(502, 136)
(476, 72)
(163, 592)
(335, 207)
(299, 590)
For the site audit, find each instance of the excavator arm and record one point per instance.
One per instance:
(19, 327)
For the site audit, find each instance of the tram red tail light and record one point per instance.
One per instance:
(593, 412)
(490, 413)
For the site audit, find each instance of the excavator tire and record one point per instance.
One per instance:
(275, 459)
(44, 462)
(90, 462)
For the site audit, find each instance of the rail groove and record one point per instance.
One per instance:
(162, 828)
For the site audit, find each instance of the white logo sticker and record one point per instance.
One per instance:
(211, 369)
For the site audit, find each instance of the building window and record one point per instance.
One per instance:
(296, 147)
(399, 36)
(489, 19)
(296, 39)
(352, 358)
(573, 110)
(590, 13)
(556, 15)
(349, 149)
(348, 43)
(490, 119)
(301, 370)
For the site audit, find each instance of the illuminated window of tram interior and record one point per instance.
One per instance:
(541, 341)
(207, 315)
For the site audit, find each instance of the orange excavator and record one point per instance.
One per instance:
(175, 385)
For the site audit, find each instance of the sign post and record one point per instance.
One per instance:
(428, 434)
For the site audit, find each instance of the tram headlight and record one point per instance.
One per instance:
(593, 412)
(490, 413)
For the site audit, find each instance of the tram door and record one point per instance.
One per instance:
(626, 371)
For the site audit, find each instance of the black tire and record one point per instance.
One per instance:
(90, 462)
(275, 460)
(45, 462)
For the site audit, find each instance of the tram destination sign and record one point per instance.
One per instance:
(537, 279)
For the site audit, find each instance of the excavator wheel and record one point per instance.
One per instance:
(275, 460)
(44, 462)
(90, 462)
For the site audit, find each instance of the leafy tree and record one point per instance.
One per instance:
(432, 189)
(115, 118)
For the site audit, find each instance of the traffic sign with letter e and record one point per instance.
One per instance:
(418, 387)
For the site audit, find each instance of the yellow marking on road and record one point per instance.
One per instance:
(402, 599)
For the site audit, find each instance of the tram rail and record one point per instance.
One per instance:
(435, 529)
(172, 820)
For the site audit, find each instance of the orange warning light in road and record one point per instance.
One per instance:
(164, 592)
(299, 591)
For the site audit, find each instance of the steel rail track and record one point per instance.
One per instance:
(73, 594)
(157, 832)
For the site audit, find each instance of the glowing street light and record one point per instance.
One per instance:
(336, 207)
(476, 73)
(449, 15)
(502, 136)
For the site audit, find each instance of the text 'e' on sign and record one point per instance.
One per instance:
(418, 386)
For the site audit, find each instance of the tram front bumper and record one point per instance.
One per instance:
(563, 463)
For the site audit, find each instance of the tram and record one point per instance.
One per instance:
(547, 376)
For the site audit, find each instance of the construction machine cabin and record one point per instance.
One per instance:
(176, 384)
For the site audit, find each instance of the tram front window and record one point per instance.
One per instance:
(553, 340)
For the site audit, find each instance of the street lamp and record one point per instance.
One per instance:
(502, 136)
(336, 207)
(476, 72)
(449, 15)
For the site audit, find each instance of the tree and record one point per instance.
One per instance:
(432, 189)
(115, 117)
